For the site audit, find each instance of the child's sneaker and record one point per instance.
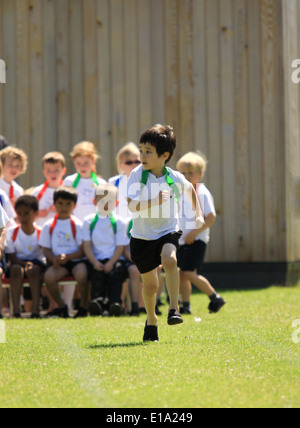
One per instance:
(150, 333)
(216, 304)
(174, 317)
(95, 307)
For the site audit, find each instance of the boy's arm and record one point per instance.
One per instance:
(209, 222)
(64, 258)
(137, 206)
(88, 250)
(49, 255)
(15, 261)
(117, 254)
(193, 198)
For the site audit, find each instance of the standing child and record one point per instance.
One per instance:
(193, 243)
(13, 164)
(61, 240)
(153, 193)
(85, 180)
(54, 169)
(104, 240)
(25, 255)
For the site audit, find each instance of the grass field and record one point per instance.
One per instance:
(242, 357)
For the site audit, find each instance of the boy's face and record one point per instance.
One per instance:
(64, 207)
(26, 215)
(84, 165)
(54, 172)
(150, 158)
(11, 169)
(129, 163)
(191, 175)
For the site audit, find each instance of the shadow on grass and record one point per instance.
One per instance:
(116, 345)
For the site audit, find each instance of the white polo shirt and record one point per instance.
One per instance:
(26, 247)
(104, 240)
(86, 194)
(187, 218)
(158, 221)
(62, 240)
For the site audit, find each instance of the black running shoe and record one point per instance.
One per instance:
(216, 304)
(115, 310)
(174, 317)
(81, 313)
(64, 312)
(150, 333)
(95, 307)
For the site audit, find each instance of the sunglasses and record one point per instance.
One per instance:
(136, 162)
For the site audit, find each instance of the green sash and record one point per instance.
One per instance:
(112, 219)
(169, 181)
(93, 177)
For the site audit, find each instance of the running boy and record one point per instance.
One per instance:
(85, 180)
(193, 243)
(13, 164)
(61, 240)
(25, 255)
(104, 240)
(153, 193)
(54, 169)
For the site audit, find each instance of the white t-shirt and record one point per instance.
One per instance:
(62, 240)
(86, 194)
(17, 189)
(45, 202)
(26, 247)
(121, 182)
(3, 218)
(6, 205)
(158, 221)
(187, 218)
(104, 240)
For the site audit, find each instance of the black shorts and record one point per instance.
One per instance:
(147, 254)
(191, 257)
(71, 265)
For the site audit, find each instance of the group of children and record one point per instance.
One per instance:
(103, 232)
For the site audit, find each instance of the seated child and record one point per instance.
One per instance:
(85, 180)
(61, 240)
(128, 158)
(104, 239)
(193, 242)
(4, 220)
(13, 164)
(25, 255)
(54, 169)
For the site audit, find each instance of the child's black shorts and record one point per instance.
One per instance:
(191, 257)
(147, 254)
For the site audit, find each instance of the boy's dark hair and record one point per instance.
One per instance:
(66, 192)
(162, 138)
(27, 201)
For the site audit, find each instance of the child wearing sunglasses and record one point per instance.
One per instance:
(127, 158)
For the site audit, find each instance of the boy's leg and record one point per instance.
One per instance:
(169, 262)
(150, 287)
(134, 287)
(200, 282)
(185, 287)
(52, 276)
(81, 275)
(34, 278)
(16, 283)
